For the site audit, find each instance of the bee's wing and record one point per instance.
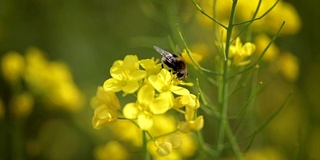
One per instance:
(162, 52)
(168, 56)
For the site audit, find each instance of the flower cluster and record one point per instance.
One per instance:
(156, 91)
(32, 76)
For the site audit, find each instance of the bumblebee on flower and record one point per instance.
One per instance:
(157, 90)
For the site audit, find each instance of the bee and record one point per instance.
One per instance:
(176, 63)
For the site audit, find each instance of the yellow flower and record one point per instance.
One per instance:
(163, 148)
(192, 125)
(53, 80)
(155, 89)
(106, 106)
(151, 66)
(125, 75)
(12, 66)
(192, 122)
(174, 146)
(196, 124)
(164, 82)
(105, 97)
(239, 52)
(103, 116)
(189, 100)
(145, 120)
(166, 85)
(147, 105)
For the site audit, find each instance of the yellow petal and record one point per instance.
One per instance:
(159, 105)
(189, 114)
(165, 76)
(130, 87)
(117, 73)
(145, 120)
(197, 124)
(183, 127)
(174, 139)
(179, 90)
(113, 85)
(137, 75)
(248, 49)
(131, 110)
(103, 116)
(131, 62)
(163, 148)
(147, 63)
(105, 97)
(156, 82)
(117, 63)
(146, 95)
(178, 102)
(190, 101)
(169, 97)
(151, 66)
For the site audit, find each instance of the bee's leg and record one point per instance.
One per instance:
(162, 66)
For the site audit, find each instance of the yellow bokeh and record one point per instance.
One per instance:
(288, 64)
(261, 42)
(12, 66)
(21, 106)
(266, 153)
(113, 150)
(283, 11)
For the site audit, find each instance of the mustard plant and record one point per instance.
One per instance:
(212, 122)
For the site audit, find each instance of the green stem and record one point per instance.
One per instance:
(204, 13)
(204, 146)
(233, 142)
(145, 145)
(225, 84)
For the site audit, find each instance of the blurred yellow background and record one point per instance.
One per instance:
(69, 46)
